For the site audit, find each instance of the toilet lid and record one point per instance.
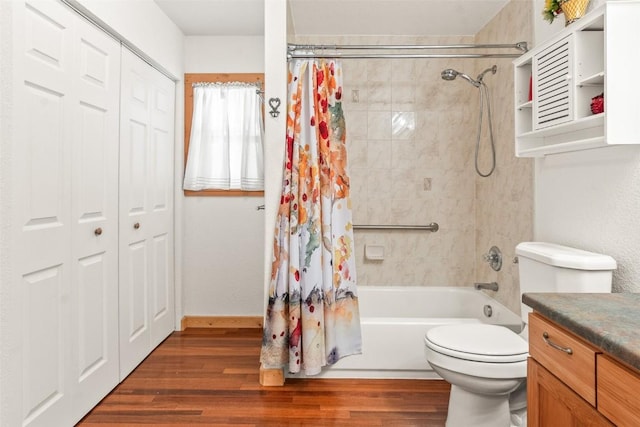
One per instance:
(479, 342)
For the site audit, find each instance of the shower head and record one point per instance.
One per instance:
(450, 74)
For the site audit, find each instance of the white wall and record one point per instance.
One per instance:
(275, 40)
(224, 54)
(591, 200)
(223, 241)
(143, 24)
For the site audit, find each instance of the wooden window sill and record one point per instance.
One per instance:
(223, 193)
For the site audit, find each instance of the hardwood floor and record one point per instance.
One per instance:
(210, 377)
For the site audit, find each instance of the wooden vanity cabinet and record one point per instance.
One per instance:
(618, 392)
(570, 382)
(551, 403)
(561, 383)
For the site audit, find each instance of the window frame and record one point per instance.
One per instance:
(189, 79)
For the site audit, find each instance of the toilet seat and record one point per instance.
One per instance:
(478, 350)
(478, 343)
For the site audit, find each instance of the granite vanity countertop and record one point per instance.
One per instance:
(610, 322)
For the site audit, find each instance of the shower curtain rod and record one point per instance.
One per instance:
(295, 51)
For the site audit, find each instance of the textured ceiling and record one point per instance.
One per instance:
(335, 17)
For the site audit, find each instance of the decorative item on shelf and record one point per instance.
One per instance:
(597, 104)
(572, 10)
(551, 10)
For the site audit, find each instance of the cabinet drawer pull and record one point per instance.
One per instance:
(97, 231)
(136, 225)
(545, 337)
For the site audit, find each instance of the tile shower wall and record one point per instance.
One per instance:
(504, 201)
(411, 140)
(410, 144)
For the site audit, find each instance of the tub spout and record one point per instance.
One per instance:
(493, 286)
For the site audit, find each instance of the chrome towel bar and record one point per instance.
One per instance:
(429, 227)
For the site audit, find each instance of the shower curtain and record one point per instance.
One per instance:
(312, 314)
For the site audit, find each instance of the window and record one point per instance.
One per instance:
(223, 135)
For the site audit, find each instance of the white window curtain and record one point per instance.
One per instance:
(225, 147)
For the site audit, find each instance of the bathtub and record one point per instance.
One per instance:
(395, 319)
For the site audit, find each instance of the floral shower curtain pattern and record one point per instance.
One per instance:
(312, 315)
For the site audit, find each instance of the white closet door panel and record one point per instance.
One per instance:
(160, 158)
(135, 137)
(93, 315)
(45, 150)
(45, 389)
(48, 35)
(42, 208)
(135, 168)
(134, 319)
(95, 216)
(162, 144)
(161, 150)
(135, 335)
(161, 206)
(137, 300)
(146, 211)
(161, 303)
(46, 104)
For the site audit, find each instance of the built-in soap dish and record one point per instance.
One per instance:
(374, 252)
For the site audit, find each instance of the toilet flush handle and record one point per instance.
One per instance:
(545, 337)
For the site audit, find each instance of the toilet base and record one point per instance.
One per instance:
(478, 410)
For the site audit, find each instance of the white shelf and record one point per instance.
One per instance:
(528, 104)
(593, 121)
(594, 80)
(589, 57)
(565, 147)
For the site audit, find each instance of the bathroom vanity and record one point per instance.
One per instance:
(584, 365)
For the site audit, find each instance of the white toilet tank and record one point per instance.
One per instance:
(547, 267)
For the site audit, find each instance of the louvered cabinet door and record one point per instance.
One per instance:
(553, 90)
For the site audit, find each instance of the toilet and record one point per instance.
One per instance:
(486, 365)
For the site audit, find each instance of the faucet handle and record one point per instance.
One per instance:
(494, 258)
(489, 257)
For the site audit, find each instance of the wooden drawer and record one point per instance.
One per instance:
(577, 370)
(618, 392)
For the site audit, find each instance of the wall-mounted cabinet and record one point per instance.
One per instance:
(556, 82)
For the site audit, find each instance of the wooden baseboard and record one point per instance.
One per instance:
(271, 377)
(251, 322)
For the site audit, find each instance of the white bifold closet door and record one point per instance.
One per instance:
(65, 217)
(146, 210)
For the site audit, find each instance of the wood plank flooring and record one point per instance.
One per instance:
(210, 377)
